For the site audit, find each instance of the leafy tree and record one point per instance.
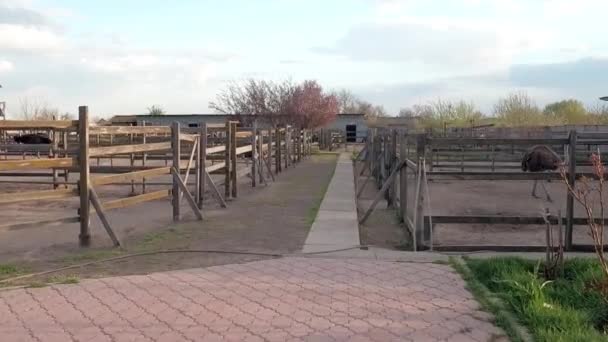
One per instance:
(156, 110)
(566, 112)
(518, 109)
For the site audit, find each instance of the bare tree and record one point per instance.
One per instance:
(156, 110)
(38, 109)
(586, 193)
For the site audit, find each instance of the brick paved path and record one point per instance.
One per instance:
(291, 299)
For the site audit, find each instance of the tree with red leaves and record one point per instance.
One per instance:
(304, 105)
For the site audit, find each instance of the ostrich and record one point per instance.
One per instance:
(540, 158)
(32, 139)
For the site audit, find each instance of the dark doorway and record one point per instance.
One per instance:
(351, 133)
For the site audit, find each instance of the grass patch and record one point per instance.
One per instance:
(93, 255)
(159, 240)
(36, 284)
(564, 310)
(8, 270)
(64, 279)
(316, 204)
(503, 318)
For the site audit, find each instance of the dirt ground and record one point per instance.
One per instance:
(271, 219)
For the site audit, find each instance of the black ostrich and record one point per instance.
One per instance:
(540, 158)
(32, 139)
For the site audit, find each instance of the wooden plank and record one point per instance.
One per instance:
(130, 201)
(27, 148)
(243, 134)
(102, 216)
(6, 165)
(496, 219)
(121, 149)
(188, 137)
(130, 176)
(494, 141)
(215, 167)
(130, 130)
(38, 124)
(227, 161)
(40, 195)
(243, 149)
(216, 149)
(186, 193)
(215, 190)
(254, 153)
(37, 224)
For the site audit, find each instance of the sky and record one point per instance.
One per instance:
(122, 56)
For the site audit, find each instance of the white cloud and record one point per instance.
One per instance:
(6, 66)
(29, 38)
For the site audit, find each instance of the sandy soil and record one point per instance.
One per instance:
(274, 218)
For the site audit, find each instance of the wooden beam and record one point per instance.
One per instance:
(215, 167)
(131, 130)
(186, 193)
(122, 149)
(233, 177)
(36, 224)
(130, 201)
(188, 137)
(37, 124)
(102, 216)
(130, 176)
(494, 141)
(16, 197)
(515, 220)
(243, 149)
(6, 165)
(215, 190)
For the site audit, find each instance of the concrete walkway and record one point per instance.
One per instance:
(288, 299)
(336, 225)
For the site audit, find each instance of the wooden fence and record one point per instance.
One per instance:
(190, 155)
(392, 156)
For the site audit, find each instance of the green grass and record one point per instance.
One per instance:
(65, 279)
(316, 205)
(91, 256)
(566, 309)
(8, 270)
(489, 303)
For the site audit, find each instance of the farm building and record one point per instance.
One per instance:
(353, 125)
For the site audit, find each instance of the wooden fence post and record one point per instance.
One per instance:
(233, 179)
(254, 151)
(132, 162)
(393, 161)
(144, 158)
(176, 150)
(286, 150)
(277, 153)
(83, 160)
(261, 155)
(227, 162)
(66, 173)
(570, 198)
(202, 158)
(403, 177)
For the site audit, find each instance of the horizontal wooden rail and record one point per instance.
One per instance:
(515, 220)
(130, 130)
(38, 124)
(35, 224)
(122, 149)
(36, 164)
(40, 195)
(124, 177)
(216, 149)
(494, 141)
(188, 137)
(243, 149)
(127, 202)
(215, 167)
(244, 134)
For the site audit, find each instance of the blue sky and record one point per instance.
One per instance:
(120, 57)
